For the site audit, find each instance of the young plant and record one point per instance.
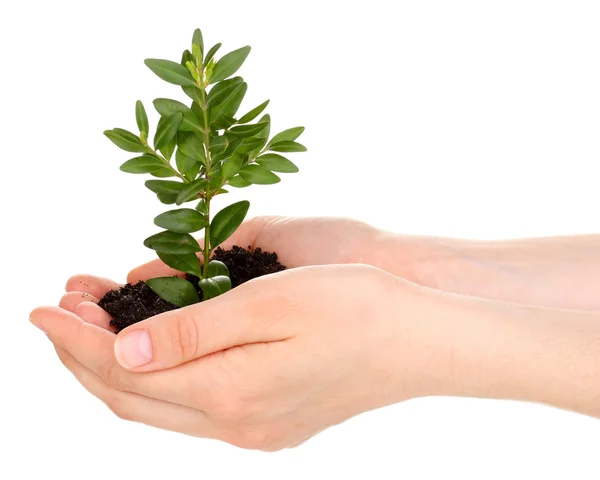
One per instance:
(213, 148)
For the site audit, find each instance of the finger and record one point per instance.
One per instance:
(246, 235)
(91, 313)
(70, 300)
(93, 347)
(137, 408)
(247, 314)
(96, 286)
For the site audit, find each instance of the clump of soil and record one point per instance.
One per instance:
(133, 303)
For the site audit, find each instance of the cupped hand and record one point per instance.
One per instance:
(298, 242)
(265, 366)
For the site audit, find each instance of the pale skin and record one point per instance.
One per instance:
(363, 319)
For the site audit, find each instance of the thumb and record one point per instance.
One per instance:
(242, 316)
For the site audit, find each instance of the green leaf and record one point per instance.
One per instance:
(172, 242)
(163, 172)
(171, 72)
(252, 114)
(186, 57)
(230, 106)
(218, 144)
(238, 182)
(165, 187)
(226, 88)
(167, 130)
(141, 117)
(191, 190)
(244, 131)
(229, 64)
(198, 40)
(287, 146)
(223, 122)
(126, 142)
(183, 220)
(211, 53)
(169, 148)
(267, 130)
(231, 167)
(175, 290)
(251, 144)
(227, 221)
(258, 175)
(167, 107)
(166, 198)
(183, 162)
(187, 263)
(191, 146)
(143, 164)
(232, 146)
(214, 286)
(288, 135)
(216, 268)
(201, 207)
(194, 93)
(276, 163)
(222, 91)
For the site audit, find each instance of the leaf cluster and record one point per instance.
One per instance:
(202, 146)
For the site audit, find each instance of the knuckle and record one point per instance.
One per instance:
(184, 337)
(113, 377)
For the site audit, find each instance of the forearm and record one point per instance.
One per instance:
(489, 349)
(556, 272)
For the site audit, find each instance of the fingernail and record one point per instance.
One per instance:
(134, 349)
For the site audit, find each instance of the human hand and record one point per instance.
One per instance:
(265, 366)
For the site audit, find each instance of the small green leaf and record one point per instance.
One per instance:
(214, 286)
(143, 164)
(170, 72)
(216, 268)
(227, 221)
(244, 131)
(201, 207)
(187, 263)
(141, 117)
(166, 198)
(231, 167)
(191, 146)
(230, 106)
(165, 187)
(167, 107)
(183, 220)
(229, 64)
(175, 290)
(251, 144)
(167, 130)
(126, 142)
(218, 144)
(199, 41)
(191, 190)
(186, 57)
(219, 95)
(183, 162)
(163, 172)
(287, 146)
(276, 163)
(211, 53)
(238, 182)
(288, 135)
(172, 242)
(258, 175)
(252, 114)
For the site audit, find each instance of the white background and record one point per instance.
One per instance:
(476, 119)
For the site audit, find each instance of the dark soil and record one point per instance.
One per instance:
(134, 303)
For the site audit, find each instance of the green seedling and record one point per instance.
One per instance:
(212, 148)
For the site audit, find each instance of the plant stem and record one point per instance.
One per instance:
(207, 251)
(208, 166)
